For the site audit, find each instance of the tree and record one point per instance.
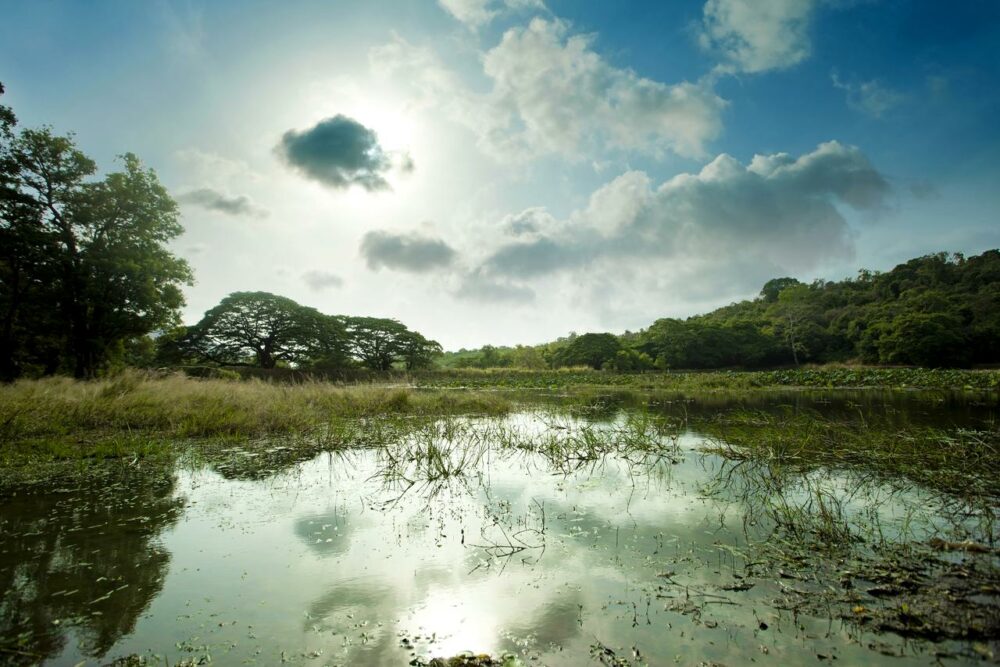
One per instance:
(524, 356)
(592, 349)
(416, 351)
(492, 357)
(926, 339)
(261, 329)
(84, 264)
(631, 360)
(795, 318)
(772, 288)
(376, 342)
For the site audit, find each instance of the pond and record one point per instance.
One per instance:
(611, 535)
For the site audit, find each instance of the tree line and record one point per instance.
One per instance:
(266, 330)
(939, 310)
(88, 283)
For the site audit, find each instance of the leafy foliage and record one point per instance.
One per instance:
(590, 349)
(84, 265)
(935, 311)
(266, 330)
(262, 329)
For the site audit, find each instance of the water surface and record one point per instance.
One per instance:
(375, 557)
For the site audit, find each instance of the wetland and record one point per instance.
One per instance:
(449, 526)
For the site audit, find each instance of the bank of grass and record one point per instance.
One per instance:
(728, 380)
(139, 414)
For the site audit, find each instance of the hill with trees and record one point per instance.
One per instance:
(939, 310)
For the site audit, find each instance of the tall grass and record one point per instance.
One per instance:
(175, 406)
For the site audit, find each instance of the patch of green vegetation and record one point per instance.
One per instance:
(960, 461)
(136, 416)
(695, 381)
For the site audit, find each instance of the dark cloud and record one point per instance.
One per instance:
(214, 200)
(320, 280)
(536, 257)
(338, 152)
(405, 252)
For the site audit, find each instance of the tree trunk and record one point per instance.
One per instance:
(8, 353)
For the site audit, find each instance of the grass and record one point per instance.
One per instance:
(139, 415)
(819, 377)
(961, 461)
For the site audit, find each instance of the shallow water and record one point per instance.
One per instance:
(365, 557)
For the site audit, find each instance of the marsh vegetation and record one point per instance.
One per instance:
(173, 520)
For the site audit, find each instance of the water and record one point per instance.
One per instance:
(365, 557)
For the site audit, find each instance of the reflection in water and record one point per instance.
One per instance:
(541, 535)
(85, 561)
(326, 534)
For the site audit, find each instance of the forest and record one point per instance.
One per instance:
(89, 285)
(940, 311)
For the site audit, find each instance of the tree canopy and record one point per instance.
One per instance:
(265, 330)
(378, 343)
(84, 264)
(590, 349)
(262, 329)
(939, 310)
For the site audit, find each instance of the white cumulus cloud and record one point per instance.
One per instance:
(758, 35)
(779, 212)
(552, 94)
(476, 13)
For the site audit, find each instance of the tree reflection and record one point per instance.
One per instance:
(85, 561)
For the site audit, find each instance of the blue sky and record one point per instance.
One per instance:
(506, 171)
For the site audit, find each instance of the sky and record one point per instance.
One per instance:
(509, 171)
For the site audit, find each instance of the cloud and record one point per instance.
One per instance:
(473, 13)
(476, 13)
(868, 97)
(338, 152)
(476, 286)
(321, 280)
(552, 94)
(779, 212)
(528, 222)
(214, 200)
(757, 35)
(405, 252)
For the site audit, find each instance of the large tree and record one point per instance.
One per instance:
(261, 329)
(418, 352)
(592, 349)
(84, 264)
(375, 341)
